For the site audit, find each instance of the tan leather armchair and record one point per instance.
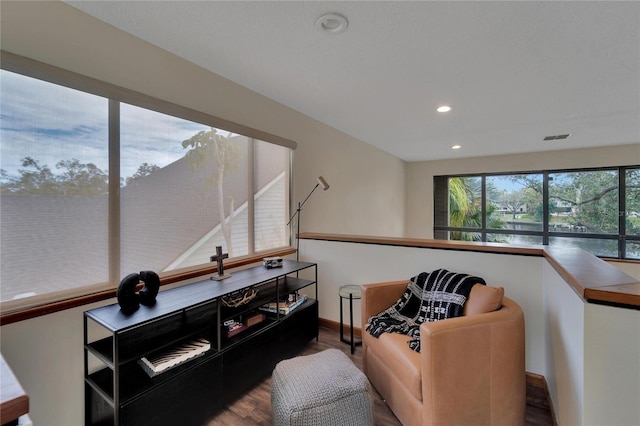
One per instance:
(470, 370)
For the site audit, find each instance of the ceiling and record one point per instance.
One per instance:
(514, 72)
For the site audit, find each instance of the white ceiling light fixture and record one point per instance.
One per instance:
(332, 23)
(444, 108)
(456, 146)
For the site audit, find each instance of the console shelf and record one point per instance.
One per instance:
(118, 390)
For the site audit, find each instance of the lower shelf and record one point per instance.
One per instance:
(188, 399)
(135, 381)
(193, 392)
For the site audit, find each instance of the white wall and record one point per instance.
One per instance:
(592, 358)
(345, 263)
(419, 209)
(564, 357)
(589, 354)
(611, 366)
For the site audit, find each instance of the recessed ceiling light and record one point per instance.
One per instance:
(332, 23)
(444, 108)
(456, 146)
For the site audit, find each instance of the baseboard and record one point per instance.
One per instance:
(538, 382)
(335, 325)
(533, 380)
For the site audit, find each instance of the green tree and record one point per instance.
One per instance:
(145, 169)
(593, 197)
(533, 200)
(464, 204)
(33, 178)
(465, 209)
(76, 178)
(211, 148)
(633, 201)
(81, 178)
(514, 201)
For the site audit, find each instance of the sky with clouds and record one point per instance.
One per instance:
(51, 123)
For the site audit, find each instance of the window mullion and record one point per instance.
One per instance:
(622, 213)
(251, 191)
(484, 208)
(114, 191)
(545, 208)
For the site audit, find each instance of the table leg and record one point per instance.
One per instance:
(341, 323)
(353, 346)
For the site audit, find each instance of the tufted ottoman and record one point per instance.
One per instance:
(320, 389)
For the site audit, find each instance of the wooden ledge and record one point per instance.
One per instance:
(14, 402)
(24, 313)
(592, 278)
(435, 244)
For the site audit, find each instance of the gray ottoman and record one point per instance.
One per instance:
(320, 389)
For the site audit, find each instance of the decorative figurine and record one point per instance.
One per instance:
(218, 258)
(126, 294)
(151, 287)
(129, 300)
(272, 262)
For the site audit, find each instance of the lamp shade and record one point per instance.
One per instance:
(323, 183)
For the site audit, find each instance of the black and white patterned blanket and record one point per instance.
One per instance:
(429, 297)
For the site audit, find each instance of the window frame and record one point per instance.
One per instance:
(441, 193)
(11, 311)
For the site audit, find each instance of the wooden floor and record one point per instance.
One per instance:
(254, 407)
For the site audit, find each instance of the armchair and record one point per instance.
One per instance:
(470, 370)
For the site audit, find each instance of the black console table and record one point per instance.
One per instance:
(119, 391)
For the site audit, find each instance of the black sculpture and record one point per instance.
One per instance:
(151, 287)
(129, 300)
(126, 293)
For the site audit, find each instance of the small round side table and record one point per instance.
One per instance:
(350, 292)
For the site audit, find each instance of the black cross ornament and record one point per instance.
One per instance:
(218, 258)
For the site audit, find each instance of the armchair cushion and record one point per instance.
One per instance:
(483, 299)
(392, 348)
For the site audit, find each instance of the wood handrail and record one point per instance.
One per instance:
(593, 279)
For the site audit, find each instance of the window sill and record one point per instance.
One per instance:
(20, 314)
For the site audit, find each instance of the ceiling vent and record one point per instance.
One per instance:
(556, 137)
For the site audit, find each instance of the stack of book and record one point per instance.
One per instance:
(283, 307)
(174, 356)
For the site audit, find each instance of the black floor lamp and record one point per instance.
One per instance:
(325, 186)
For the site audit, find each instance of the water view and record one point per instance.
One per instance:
(597, 246)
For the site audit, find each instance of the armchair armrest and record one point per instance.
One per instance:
(380, 296)
(473, 368)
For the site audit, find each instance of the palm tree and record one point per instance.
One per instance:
(465, 209)
(211, 148)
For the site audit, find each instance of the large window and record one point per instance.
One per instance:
(595, 210)
(93, 189)
(54, 187)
